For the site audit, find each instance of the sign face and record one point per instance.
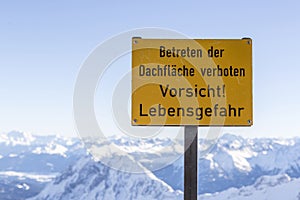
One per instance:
(203, 82)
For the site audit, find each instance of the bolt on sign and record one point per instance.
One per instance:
(203, 82)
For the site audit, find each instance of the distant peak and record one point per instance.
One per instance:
(230, 137)
(17, 137)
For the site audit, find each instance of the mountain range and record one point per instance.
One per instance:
(53, 167)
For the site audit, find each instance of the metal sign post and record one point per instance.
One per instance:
(190, 162)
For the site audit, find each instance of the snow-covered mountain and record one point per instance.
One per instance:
(29, 163)
(236, 162)
(92, 180)
(266, 187)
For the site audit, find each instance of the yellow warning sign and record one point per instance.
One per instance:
(204, 82)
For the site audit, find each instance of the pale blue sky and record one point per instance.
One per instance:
(43, 44)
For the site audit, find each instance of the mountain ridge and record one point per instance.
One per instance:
(232, 162)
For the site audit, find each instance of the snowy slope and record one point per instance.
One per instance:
(265, 188)
(92, 180)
